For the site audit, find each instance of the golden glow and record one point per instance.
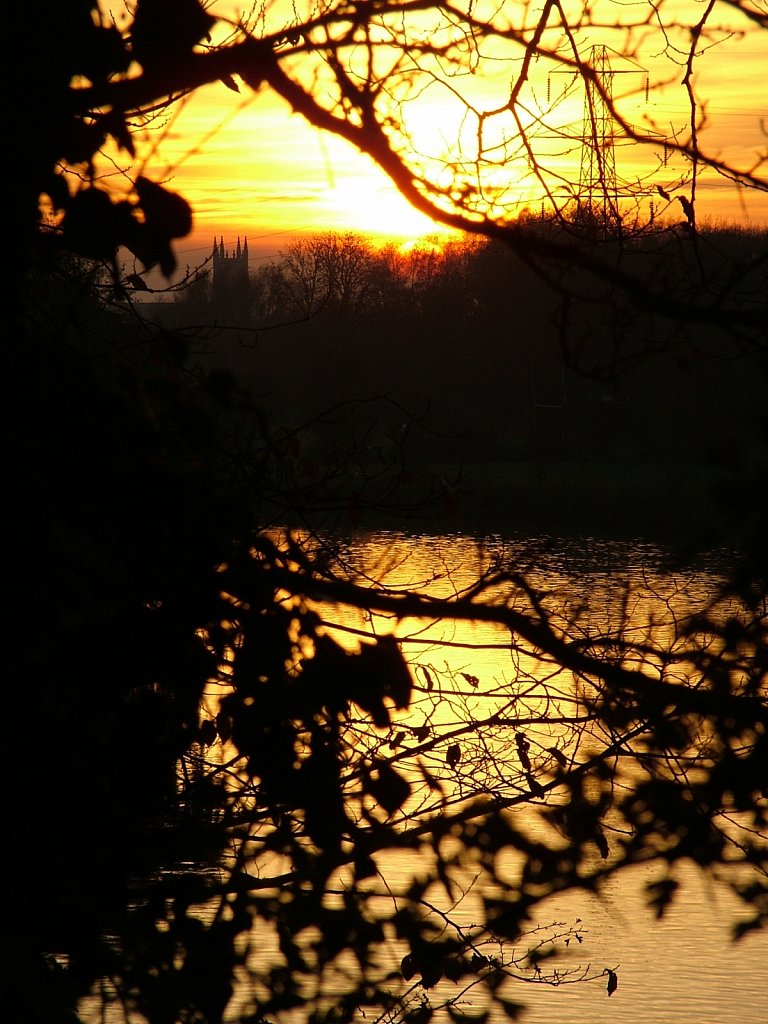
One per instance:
(255, 169)
(250, 167)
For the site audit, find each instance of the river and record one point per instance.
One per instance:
(683, 969)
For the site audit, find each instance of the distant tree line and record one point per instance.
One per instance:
(344, 274)
(488, 358)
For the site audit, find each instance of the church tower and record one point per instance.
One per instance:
(230, 278)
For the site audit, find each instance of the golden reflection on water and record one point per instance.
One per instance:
(682, 970)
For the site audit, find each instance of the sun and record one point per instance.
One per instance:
(370, 203)
(351, 193)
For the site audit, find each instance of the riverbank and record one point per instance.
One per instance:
(676, 503)
(617, 497)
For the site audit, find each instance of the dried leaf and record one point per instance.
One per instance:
(168, 213)
(208, 732)
(601, 842)
(558, 755)
(535, 786)
(523, 747)
(387, 787)
(137, 283)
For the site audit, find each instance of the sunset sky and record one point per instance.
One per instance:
(251, 168)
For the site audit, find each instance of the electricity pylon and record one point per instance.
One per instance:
(598, 194)
(597, 197)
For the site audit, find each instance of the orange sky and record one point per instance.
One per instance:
(267, 175)
(251, 168)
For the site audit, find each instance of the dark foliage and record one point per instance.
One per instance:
(160, 839)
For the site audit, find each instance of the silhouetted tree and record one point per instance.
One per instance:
(205, 780)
